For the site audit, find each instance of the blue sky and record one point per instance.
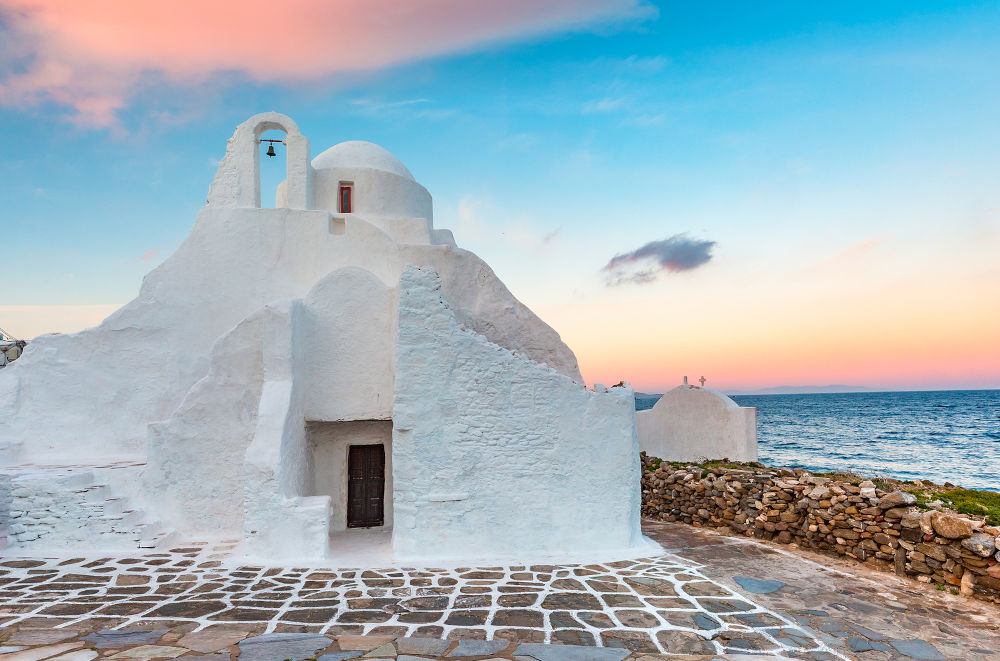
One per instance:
(841, 155)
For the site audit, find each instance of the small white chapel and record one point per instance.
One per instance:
(310, 376)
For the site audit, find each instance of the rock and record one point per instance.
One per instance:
(214, 638)
(479, 647)
(758, 586)
(570, 652)
(269, 646)
(917, 649)
(950, 526)
(149, 652)
(897, 499)
(111, 638)
(819, 493)
(980, 544)
(968, 580)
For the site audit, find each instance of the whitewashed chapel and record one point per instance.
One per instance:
(296, 376)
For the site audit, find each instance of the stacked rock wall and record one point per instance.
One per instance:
(857, 521)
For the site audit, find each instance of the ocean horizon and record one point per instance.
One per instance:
(938, 435)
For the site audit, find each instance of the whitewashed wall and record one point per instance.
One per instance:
(690, 424)
(497, 455)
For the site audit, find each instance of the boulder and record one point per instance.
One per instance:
(950, 526)
(980, 544)
(897, 499)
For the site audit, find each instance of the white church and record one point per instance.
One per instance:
(312, 377)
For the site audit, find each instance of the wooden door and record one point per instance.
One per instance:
(365, 485)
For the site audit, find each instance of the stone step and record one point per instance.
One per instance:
(162, 539)
(115, 506)
(79, 508)
(97, 493)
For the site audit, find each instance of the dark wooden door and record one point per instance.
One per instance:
(365, 485)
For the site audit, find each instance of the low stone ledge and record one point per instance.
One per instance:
(854, 519)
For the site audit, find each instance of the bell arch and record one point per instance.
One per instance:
(237, 182)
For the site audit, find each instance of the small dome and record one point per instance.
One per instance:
(360, 154)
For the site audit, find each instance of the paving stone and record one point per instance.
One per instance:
(705, 622)
(466, 618)
(573, 637)
(112, 638)
(479, 647)
(361, 643)
(868, 633)
(44, 652)
(571, 601)
(149, 652)
(382, 651)
(570, 652)
(599, 620)
(562, 619)
(425, 646)
(917, 649)
(518, 618)
(213, 638)
(684, 642)
(39, 636)
(339, 656)
(865, 645)
(271, 646)
(636, 641)
(76, 655)
(758, 586)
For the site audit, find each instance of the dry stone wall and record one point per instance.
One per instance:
(858, 521)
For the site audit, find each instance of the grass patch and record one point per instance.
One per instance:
(971, 501)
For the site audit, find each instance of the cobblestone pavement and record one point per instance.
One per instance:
(860, 612)
(705, 596)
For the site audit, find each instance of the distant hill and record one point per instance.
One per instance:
(777, 390)
(800, 390)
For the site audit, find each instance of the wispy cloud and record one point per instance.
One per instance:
(91, 56)
(606, 104)
(644, 264)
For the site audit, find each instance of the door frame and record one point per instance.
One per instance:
(371, 519)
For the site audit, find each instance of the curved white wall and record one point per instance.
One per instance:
(690, 424)
(376, 193)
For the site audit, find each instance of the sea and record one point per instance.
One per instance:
(942, 436)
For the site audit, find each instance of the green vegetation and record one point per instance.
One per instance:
(716, 463)
(970, 501)
(653, 464)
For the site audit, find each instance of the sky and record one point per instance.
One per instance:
(764, 194)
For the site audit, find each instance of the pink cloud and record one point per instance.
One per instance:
(90, 54)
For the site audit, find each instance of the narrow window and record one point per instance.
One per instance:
(345, 199)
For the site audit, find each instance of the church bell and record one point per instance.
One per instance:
(270, 150)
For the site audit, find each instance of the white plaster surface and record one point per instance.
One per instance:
(690, 423)
(266, 320)
(496, 455)
(329, 443)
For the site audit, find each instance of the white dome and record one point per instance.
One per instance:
(360, 154)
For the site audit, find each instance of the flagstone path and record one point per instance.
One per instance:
(704, 596)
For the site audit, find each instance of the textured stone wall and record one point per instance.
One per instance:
(857, 521)
(59, 512)
(498, 456)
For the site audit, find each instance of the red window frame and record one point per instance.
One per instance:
(345, 199)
